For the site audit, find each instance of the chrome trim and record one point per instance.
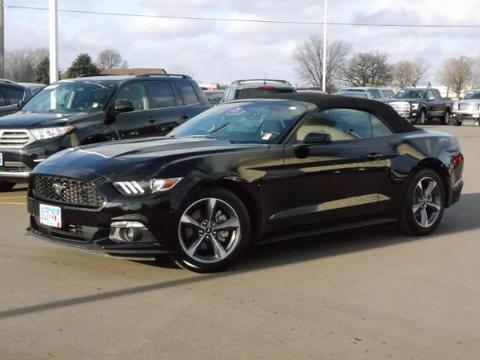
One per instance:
(19, 140)
(38, 160)
(19, 175)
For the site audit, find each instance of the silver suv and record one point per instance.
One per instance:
(467, 109)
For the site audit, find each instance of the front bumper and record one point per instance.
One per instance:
(90, 228)
(466, 117)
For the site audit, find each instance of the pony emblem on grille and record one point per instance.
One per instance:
(58, 188)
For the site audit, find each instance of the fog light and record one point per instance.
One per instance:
(126, 231)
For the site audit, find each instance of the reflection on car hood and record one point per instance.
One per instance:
(26, 119)
(142, 157)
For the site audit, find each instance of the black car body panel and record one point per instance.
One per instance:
(289, 188)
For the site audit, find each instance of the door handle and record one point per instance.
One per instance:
(151, 121)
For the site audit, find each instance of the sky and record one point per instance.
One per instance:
(225, 51)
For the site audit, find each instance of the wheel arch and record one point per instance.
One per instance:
(239, 187)
(437, 166)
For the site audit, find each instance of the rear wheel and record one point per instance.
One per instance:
(213, 231)
(424, 203)
(6, 186)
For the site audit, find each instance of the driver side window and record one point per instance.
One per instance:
(135, 93)
(340, 124)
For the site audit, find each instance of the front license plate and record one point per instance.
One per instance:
(50, 216)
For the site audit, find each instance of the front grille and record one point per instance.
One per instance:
(14, 167)
(464, 106)
(400, 106)
(14, 138)
(66, 191)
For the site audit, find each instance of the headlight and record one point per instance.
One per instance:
(136, 188)
(46, 133)
(414, 106)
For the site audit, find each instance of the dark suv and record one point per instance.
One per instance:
(93, 109)
(254, 88)
(11, 95)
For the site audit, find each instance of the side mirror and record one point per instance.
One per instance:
(317, 138)
(431, 98)
(20, 103)
(123, 106)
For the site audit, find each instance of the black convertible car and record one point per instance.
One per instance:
(245, 172)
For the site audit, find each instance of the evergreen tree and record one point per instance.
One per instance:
(42, 71)
(82, 65)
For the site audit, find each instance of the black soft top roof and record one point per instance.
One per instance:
(379, 109)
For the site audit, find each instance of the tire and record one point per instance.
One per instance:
(445, 120)
(201, 247)
(6, 186)
(422, 117)
(423, 206)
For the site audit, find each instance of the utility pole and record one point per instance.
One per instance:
(53, 39)
(324, 60)
(2, 42)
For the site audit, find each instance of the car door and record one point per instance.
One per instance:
(167, 108)
(133, 123)
(190, 98)
(342, 178)
(434, 103)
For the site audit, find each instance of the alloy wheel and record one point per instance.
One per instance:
(209, 230)
(427, 202)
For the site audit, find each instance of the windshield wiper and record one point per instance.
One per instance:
(221, 127)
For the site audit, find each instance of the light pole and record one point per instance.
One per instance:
(324, 59)
(53, 39)
(2, 42)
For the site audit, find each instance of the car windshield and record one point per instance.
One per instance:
(388, 93)
(72, 96)
(259, 122)
(472, 95)
(410, 94)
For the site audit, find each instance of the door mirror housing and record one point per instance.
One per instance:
(317, 138)
(431, 98)
(123, 106)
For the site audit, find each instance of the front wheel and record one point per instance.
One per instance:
(422, 118)
(446, 118)
(424, 203)
(213, 231)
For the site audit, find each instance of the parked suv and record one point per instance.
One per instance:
(422, 104)
(11, 95)
(93, 109)
(372, 93)
(254, 88)
(467, 109)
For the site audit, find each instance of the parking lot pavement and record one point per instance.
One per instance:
(363, 294)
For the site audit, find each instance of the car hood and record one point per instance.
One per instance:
(133, 159)
(469, 101)
(27, 119)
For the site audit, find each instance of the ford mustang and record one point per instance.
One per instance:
(246, 172)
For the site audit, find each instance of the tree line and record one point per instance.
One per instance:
(33, 65)
(373, 68)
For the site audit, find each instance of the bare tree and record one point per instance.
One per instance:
(409, 73)
(20, 64)
(457, 74)
(309, 58)
(108, 59)
(368, 69)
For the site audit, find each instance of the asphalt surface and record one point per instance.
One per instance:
(363, 294)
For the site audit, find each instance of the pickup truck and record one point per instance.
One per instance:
(467, 109)
(419, 105)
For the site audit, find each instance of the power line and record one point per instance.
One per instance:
(262, 21)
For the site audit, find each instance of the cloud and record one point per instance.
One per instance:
(225, 51)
